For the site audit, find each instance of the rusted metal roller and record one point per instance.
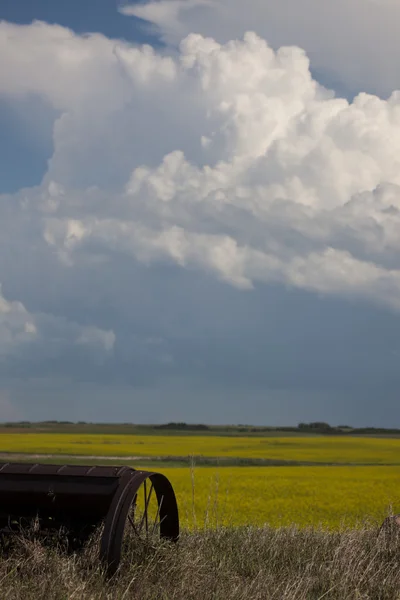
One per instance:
(140, 505)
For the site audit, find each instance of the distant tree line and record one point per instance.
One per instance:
(324, 428)
(316, 427)
(183, 426)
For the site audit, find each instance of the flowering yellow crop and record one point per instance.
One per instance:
(327, 496)
(340, 449)
(330, 496)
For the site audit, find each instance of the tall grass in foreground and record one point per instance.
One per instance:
(224, 563)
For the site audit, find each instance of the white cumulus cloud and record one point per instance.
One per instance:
(353, 43)
(46, 334)
(294, 185)
(17, 326)
(227, 158)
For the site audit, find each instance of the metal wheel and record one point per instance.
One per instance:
(144, 510)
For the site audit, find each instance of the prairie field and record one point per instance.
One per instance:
(262, 532)
(365, 485)
(331, 497)
(317, 449)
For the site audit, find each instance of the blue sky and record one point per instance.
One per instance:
(31, 152)
(83, 16)
(205, 231)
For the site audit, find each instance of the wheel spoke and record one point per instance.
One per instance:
(132, 510)
(146, 505)
(132, 523)
(162, 520)
(157, 515)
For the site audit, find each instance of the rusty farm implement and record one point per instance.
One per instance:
(127, 504)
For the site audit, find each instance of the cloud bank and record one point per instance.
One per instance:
(226, 160)
(25, 334)
(352, 43)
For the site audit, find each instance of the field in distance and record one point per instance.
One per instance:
(223, 449)
(365, 486)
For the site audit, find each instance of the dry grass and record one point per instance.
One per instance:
(223, 564)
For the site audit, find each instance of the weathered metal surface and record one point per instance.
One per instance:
(81, 498)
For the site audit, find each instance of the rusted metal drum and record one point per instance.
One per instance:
(80, 499)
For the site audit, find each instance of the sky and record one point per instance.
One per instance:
(200, 211)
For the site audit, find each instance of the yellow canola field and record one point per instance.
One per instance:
(338, 449)
(327, 496)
